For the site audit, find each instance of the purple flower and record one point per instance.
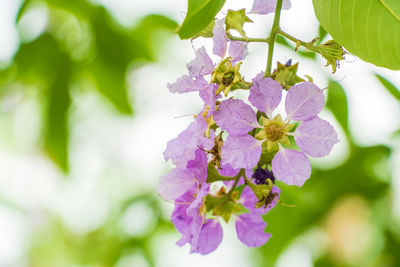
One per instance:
(204, 235)
(267, 6)
(314, 136)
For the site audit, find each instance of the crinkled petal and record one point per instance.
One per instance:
(250, 229)
(201, 65)
(237, 51)
(175, 184)
(187, 84)
(182, 149)
(268, 6)
(304, 101)
(265, 94)
(241, 152)
(198, 166)
(209, 97)
(236, 117)
(178, 217)
(291, 167)
(209, 239)
(249, 200)
(315, 137)
(220, 40)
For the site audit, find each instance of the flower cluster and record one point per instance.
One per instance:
(244, 146)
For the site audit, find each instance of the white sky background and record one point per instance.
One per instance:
(104, 145)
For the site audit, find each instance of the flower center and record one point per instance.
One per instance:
(228, 78)
(274, 132)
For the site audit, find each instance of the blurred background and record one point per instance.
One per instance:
(85, 116)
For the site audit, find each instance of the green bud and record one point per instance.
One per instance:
(286, 75)
(262, 192)
(228, 77)
(331, 51)
(235, 20)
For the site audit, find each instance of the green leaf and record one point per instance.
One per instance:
(321, 34)
(199, 16)
(337, 103)
(389, 86)
(369, 29)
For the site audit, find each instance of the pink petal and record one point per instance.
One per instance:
(198, 166)
(175, 184)
(209, 97)
(291, 167)
(237, 51)
(315, 137)
(209, 239)
(304, 101)
(268, 6)
(182, 149)
(236, 117)
(201, 65)
(250, 229)
(219, 39)
(187, 84)
(265, 94)
(241, 152)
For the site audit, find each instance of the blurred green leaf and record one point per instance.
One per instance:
(57, 130)
(111, 83)
(395, 92)
(48, 62)
(199, 16)
(337, 103)
(43, 64)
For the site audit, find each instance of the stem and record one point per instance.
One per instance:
(271, 39)
(237, 178)
(248, 40)
(307, 45)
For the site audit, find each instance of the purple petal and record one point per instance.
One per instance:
(237, 51)
(209, 97)
(201, 65)
(267, 6)
(236, 117)
(178, 217)
(187, 84)
(209, 239)
(241, 152)
(304, 101)
(182, 149)
(265, 94)
(291, 167)
(315, 137)
(175, 184)
(219, 39)
(198, 166)
(250, 229)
